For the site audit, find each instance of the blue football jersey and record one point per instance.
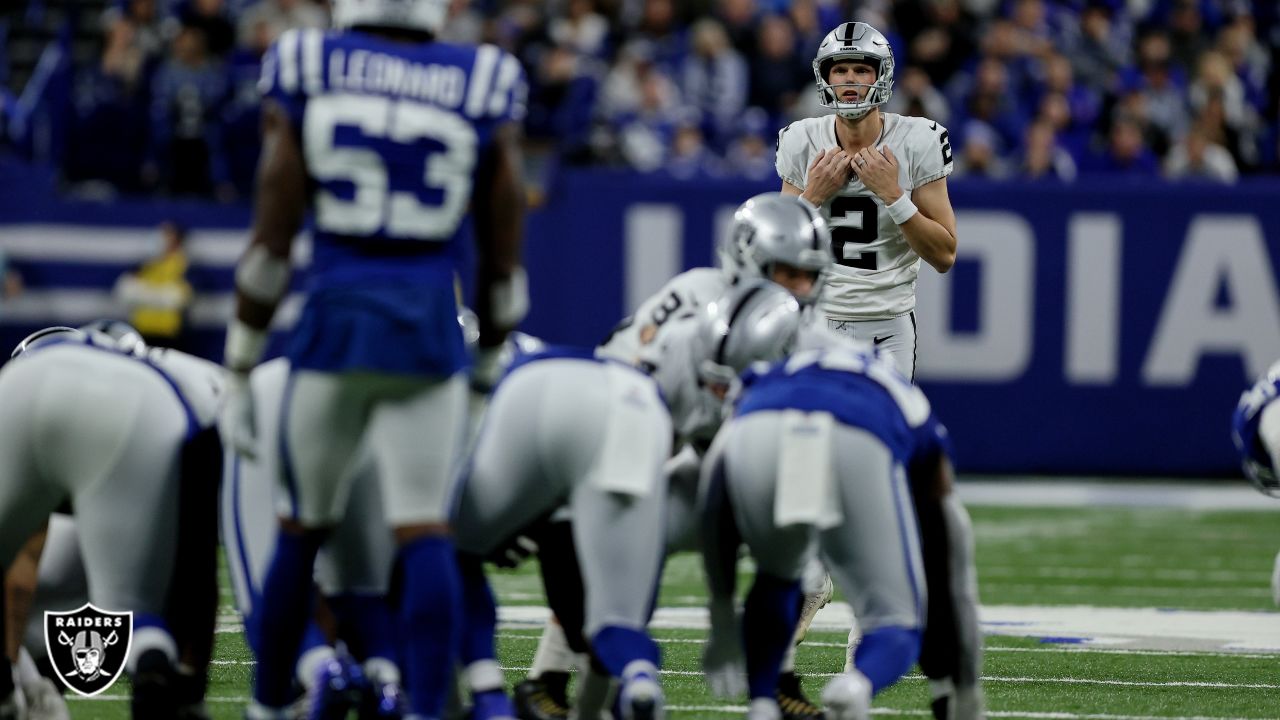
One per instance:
(859, 389)
(392, 135)
(1254, 458)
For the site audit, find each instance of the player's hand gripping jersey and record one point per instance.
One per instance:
(875, 270)
(392, 135)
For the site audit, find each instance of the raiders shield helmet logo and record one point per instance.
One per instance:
(88, 647)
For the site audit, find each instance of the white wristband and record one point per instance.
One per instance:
(244, 347)
(262, 277)
(902, 209)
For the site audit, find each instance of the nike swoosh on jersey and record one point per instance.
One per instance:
(878, 340)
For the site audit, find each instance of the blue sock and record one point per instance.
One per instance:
(768, 624)
(480, 611)
(286, 609)
(149, 620)
(430, 610)
(253, 626)
(365, 624)
(616, 647)
(886, 654)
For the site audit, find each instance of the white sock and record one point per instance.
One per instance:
(310, 662)
(150, 638)
(381, 670)
(484, 675)
(941, 688)
(553, 654)
(595, 695)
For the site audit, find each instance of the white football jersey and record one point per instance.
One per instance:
(683, 294)
(874, 277)
(200, 382)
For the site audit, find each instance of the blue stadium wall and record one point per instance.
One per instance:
(1103, 328)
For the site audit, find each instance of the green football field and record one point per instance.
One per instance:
(1113, 613)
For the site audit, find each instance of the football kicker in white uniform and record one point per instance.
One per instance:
(880, 180)
(118, 430)
(773, 237)
(1255, 430)
(570, 429)
(816, 459)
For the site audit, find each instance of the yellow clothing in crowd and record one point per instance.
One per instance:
(159, 295)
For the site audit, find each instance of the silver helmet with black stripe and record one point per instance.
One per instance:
(850, 42)
(773, 228)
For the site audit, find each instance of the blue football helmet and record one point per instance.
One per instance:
(1256, 459)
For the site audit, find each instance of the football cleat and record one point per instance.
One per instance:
(155, 694)
(641, 698)
(338, 689)
(382, 701)
(189, 691)
(792, 701)
(848, 697)
(543, 698)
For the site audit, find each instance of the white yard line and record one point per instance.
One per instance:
(737, 709)
(990, 570)
(1127, 628)
(990, 713)
(985, 678)
(1261, 591)
(1086, 492)
(1083, 648)
(1136, 630)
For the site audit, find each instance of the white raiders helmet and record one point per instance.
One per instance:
(854, 41)
(776, 228)
(696, 361)
(424, 15)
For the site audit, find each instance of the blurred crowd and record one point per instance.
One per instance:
(1039, 90)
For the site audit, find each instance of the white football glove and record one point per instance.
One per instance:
(236, 422)
(722, 660)
(1275, 581)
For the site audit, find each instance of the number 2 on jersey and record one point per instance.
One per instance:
(854, 220)
(383, 201)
